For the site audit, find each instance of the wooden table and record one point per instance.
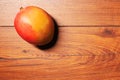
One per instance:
(86, 47)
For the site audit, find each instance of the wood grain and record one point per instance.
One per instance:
(80, 53)
(87, 48)
(67, 12)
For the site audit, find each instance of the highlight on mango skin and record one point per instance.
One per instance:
(34, 25)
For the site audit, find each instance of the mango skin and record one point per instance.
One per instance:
(34, 25)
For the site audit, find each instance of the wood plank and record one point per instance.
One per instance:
(86, 53)
(67, 12)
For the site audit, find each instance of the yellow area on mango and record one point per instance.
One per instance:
(40, 22)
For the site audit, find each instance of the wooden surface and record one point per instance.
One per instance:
(67, 12)
(87, 45)
(80, 53)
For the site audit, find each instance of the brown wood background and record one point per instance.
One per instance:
(87, 47)
(67, 12)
